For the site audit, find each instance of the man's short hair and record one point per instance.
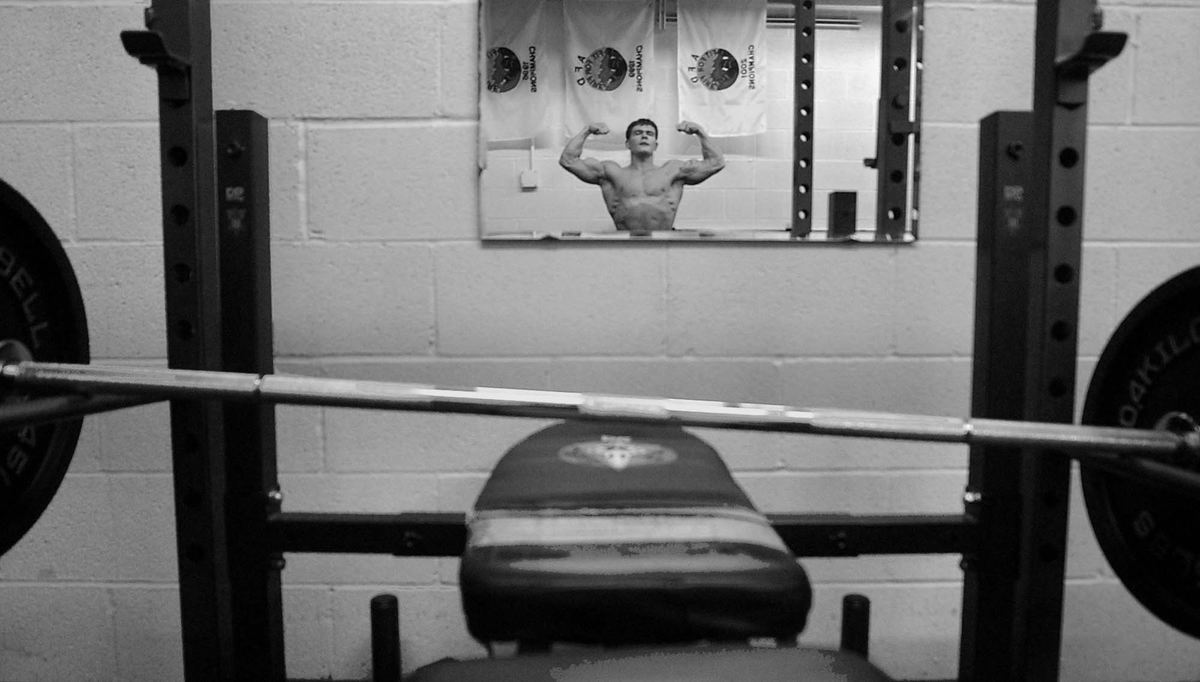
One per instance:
(641, 122)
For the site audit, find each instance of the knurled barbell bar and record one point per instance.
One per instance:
(1137, 447)
(1166, 445)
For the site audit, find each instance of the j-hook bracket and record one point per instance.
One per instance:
(149, 48)
(1097, 49)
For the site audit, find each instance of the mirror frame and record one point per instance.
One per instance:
(897, 147)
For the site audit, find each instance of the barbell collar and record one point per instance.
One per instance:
(1077, 441)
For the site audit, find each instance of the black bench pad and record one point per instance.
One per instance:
(617, 533)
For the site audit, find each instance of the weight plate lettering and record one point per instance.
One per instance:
(42, 308)
(1150, 533)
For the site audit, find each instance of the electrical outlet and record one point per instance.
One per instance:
(529, 179)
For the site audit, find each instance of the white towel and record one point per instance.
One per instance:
(519, 76)
(722, 65)
(608, 63)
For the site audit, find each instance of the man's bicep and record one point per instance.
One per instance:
(588, 170)
(695, 172)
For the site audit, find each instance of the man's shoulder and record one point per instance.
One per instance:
(605, 167)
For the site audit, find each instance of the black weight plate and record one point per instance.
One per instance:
(41, 307)
(1149, 532)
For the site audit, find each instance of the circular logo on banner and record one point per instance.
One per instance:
(504, 69)
(616, 452)
(717, 69)
(605, 69)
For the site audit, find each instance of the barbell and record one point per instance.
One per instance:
(1177, 442)
(1139, 448)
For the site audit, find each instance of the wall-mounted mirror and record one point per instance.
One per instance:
(790, 95)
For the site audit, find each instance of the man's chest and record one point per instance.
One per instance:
(658, 181)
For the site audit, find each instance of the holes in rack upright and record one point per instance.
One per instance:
(1064, 273)
(1060, 330)
(1066, 216)
(180, 214)
(177, 156)
(185, 330)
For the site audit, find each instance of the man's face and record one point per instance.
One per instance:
(642, 138)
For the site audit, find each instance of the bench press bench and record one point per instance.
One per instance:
(635, 538)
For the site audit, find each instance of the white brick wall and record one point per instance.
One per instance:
(378, 272)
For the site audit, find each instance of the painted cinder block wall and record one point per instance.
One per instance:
(378, 272)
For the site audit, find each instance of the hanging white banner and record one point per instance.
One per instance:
(721, 60)
(609, 63)
(519, 84)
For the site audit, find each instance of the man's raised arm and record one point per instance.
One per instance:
(712, 161)
(588, 170)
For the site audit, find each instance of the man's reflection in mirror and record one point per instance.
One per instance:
(643, 195)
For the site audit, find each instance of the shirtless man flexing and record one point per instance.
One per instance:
(643, 195)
